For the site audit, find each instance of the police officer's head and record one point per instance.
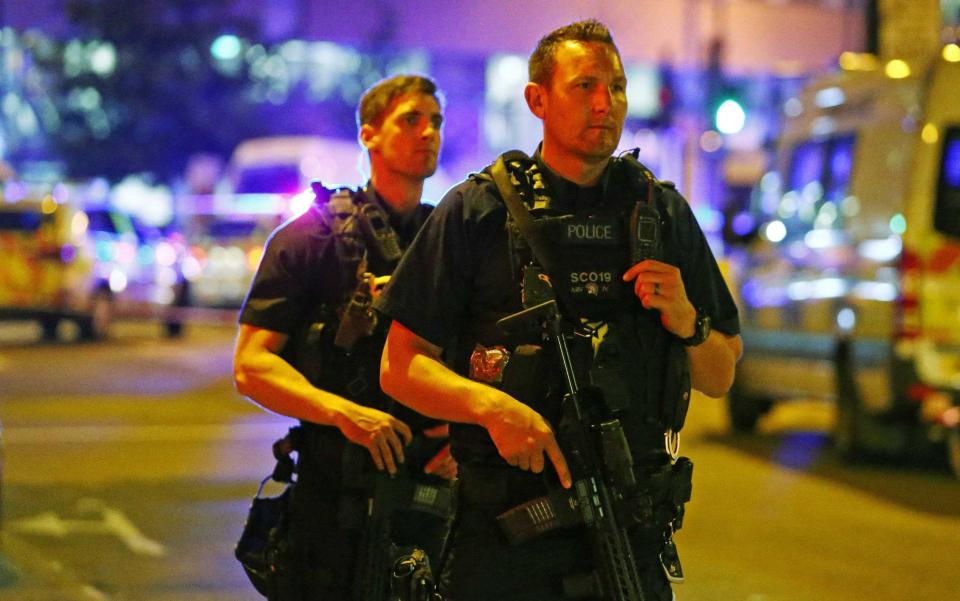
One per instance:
(578, 88)
(399, 119)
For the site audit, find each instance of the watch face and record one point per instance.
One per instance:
(702, 330)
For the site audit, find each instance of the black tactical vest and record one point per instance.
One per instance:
(353, 374)
(642, 368)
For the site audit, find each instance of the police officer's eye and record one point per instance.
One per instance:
(411, 118)
(436, 121)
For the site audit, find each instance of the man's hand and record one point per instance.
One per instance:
(378, 432)
(442, 464)
(522, 436)
(659, 286)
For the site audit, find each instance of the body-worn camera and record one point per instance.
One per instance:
(343, 207)
(645, 239)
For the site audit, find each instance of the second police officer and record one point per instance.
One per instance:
(309, 347)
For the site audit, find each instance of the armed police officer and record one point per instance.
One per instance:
(625, 262)
(309, 346)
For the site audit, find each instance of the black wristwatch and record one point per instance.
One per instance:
(701, 329)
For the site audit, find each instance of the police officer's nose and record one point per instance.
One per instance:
(602, 99)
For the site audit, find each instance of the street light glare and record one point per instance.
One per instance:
(225, 47)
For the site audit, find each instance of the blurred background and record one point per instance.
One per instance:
(148, 148)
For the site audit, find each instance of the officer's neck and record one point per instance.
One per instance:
(583, 172)
(400, 193)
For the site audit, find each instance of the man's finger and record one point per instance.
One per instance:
(395, 445)
(387, 454)
(441, 431)
(375, 455)
(649, 266)
(438, 461)
(523, 462)
(404, 431)
(536, 463)
(559, 462)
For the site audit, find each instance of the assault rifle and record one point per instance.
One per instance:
(375, 553)
(379, 574)
(602, 468)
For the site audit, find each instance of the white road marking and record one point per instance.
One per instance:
(111, 521)
(170, 433)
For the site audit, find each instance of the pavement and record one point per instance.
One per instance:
(25, 575)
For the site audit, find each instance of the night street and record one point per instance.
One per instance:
(130, 463)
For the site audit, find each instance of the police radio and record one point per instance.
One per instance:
(341, 205)
(377, 230)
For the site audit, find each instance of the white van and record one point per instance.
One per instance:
(851, 289)
(286, 164)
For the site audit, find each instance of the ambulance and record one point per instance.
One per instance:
(850, 289)
(62, 263)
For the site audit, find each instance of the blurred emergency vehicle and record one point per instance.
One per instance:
(223, 254)
(63, 263)
(267, 181)
(851, 288)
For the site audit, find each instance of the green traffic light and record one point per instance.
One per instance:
(729, 117)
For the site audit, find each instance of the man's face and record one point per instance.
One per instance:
(407, 140)
(585, 102)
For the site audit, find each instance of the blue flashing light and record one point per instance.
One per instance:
(951, 163)
(743, 224)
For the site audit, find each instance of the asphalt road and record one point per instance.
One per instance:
(130, 464)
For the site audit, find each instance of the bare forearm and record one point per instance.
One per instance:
(713, 363)
(419, 380)
(276, 385)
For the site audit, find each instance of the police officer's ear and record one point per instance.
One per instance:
(535, 95)
(369, 136)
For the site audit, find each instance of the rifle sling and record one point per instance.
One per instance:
(521, 216)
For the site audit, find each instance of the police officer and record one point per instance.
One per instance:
(464, 271)
(290, 359)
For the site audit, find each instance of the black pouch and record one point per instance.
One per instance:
(524, 376)
(259, 547)
(677, 395)
(262, 546)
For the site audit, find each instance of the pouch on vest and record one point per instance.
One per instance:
(676, 388)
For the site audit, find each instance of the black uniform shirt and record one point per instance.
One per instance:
(299, 268)
(299, 272)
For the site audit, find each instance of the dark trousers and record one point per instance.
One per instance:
(325, 528)
(482, 566)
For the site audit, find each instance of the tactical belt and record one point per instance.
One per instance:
(658, 505)
(384, 493)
